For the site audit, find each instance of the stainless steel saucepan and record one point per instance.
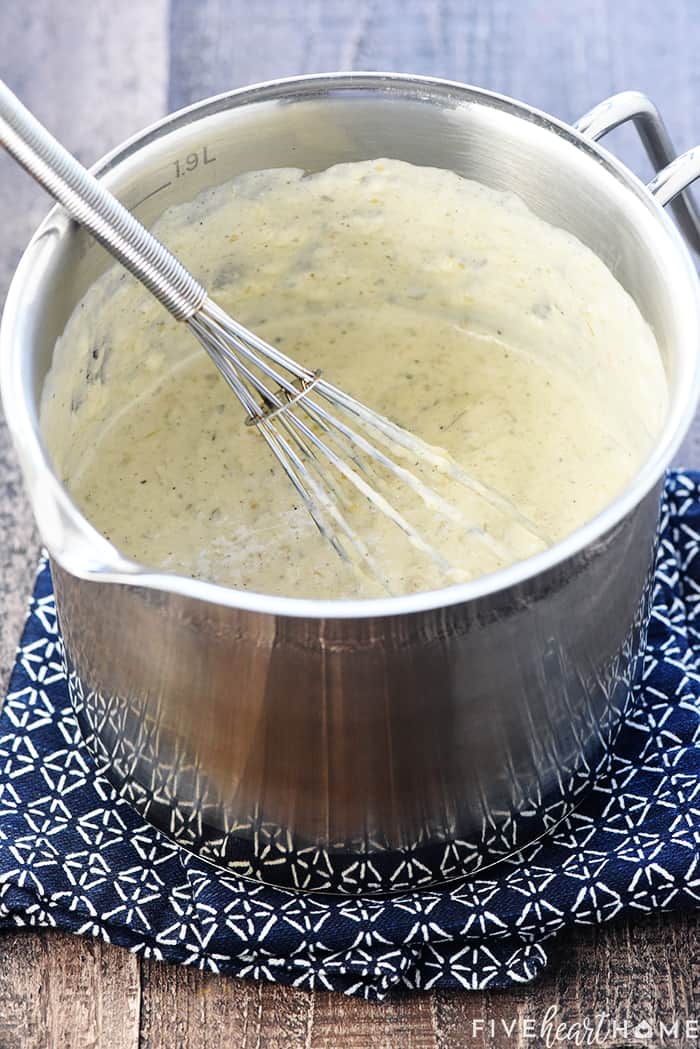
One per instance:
(365, 746)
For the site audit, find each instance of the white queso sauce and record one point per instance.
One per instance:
(446, 306)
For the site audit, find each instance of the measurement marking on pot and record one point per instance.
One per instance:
(152, 193)
(192, 161)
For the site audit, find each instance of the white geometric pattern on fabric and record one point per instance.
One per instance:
(75, 855)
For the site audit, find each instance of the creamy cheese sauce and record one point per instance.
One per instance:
(445, 305)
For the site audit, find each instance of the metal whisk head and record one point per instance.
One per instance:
(321, 436)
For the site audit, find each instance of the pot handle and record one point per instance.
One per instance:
(674, 173)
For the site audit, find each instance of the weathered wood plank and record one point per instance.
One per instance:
(213, 1012)
(61, 990)
(561, 57)
(406, 1021)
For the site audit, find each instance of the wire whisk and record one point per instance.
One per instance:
(325, 441)
(320, 434)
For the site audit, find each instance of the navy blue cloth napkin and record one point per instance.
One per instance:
(75, 856)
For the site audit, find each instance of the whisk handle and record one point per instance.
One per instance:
(88, 202)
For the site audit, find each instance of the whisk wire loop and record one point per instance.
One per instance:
(301, 444)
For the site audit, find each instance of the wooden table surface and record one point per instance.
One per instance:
(97, 71)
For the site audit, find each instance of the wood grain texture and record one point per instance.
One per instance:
(96, 71)
(68, 992)
(405, 1021)
(215, 1012)
(562, 57)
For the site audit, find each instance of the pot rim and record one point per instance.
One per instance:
(100, 561)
